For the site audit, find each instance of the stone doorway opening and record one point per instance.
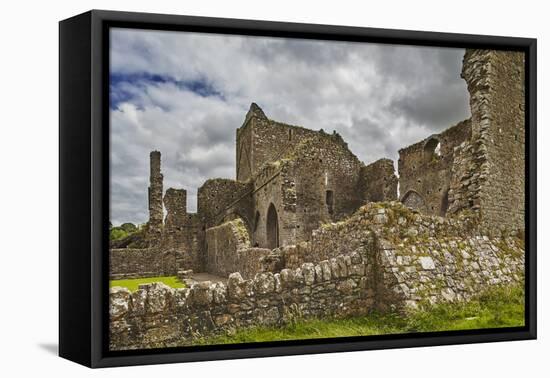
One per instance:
(272, 226)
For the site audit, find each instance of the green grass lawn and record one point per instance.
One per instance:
(500, 307)
(133, 284)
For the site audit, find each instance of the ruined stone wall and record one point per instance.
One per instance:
(158, 316)
(422, 258)
(309, 177)
(175, 202)
(315, 183)
(243, 149)
(428, 259)
(496, 82)
(425, 169)
(484, 170)
(450, 269)
(273, 188)
(219, 198)
(470, 168)
(156, 213)
(466, 177)
(228, 250)
(377, 181)
(401, 260)
(183, 232)
(325, 177)
(140, 263)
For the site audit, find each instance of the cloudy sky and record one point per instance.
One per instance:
(184, 94)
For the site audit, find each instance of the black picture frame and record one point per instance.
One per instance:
(84, 187)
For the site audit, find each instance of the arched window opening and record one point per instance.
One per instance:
(414, 200)
(432, 149)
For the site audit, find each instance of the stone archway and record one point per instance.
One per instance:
(236, 215)
(414, 200)
(272, 227)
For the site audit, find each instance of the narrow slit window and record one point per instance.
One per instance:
(329, 200)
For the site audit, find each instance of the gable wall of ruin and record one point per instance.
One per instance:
(425, 172)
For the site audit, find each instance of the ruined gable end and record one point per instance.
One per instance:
(254, 111)
(245, 140)
(426, 169)
(261, 141)
(378, 181)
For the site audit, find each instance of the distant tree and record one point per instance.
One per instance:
(123, 231)
(128, 227)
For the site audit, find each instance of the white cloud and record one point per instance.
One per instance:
(184, 94)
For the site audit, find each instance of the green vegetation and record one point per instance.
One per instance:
(118, 233)
(133, 284)
(241, 230)
(496, 308)
(514, 252)
(122, 231)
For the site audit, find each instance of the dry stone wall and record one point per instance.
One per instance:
(450, 269)
(385, 257)
(157, 316)
(428, 259)
(374, 220)
(419, 258)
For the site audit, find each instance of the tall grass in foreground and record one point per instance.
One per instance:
(495, 308)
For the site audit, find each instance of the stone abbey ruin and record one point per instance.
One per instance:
(308, 230)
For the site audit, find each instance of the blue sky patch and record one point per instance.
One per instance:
(121, 84)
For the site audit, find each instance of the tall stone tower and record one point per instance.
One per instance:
(156, 213)
(490, 173)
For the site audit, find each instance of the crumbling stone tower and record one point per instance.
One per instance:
(156, 213)
(496, 82)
